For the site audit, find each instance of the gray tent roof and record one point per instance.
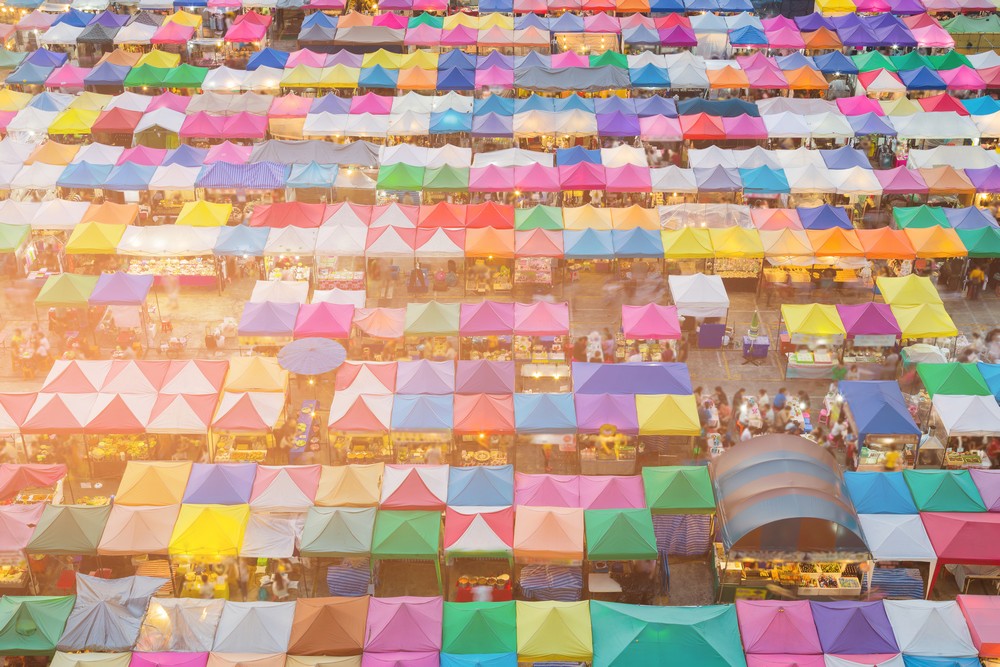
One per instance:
(581, 79)
(338, 531)
(255, 627)
(361, 153)
(107, 613)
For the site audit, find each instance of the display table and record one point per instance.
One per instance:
(192, 589)
(756, 348)
(601, 582)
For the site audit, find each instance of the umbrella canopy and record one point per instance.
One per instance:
(313, 356)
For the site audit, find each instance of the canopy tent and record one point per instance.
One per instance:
(599, 492)
(350, 485)
(17, 477)
(107, 613)
(209, 530)
(974, 416)
(878, 408)
(271, 534)
(486, 632)
(926, 321)
(153, 483)
(547, 490)
(988, 484)
(136, 530)
(337, 532)
(619, 534)
(414, 487)
(776, 627)
(812, 321)
(16, 525)
(544, 413)
(699, 295)
(634, 634)
(982, 613)
(879, 493)
(897, 537)
(475, 376)
(546, 534)
(631, 378)
(180, 624)
(817, 514)
(953, 379)
(220, 483)
(329, 626)
(651, 321)
(868, 319)
(69, 530)
(853, 628)
(254, 627)
(284, 488)
(554, 631)
(911, 290)
(478, 532)
(927, 628)
(32, 625)
(410, 624)
(481, 486)
(678, 490)
(944, 491)
(432, 319)
(408, 535)
(66, 290)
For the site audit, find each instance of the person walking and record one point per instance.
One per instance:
(975, 282)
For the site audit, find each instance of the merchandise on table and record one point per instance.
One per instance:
(608, 453)
(757, 580)
(241, 448)
(533, 270)
(412, 448)
(492, 348)
(364, 449)
(193, 271)
(482, 450)
(190, 571)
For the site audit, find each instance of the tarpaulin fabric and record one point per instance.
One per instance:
(678, 489)
(479, 532)
(777, 627)
(546, 490)
(329, 626)
(853, 628)
(944, 491)
(878, 408)
(927, 628)
(619, 534)
(69, 530)
(107, 613)
(136, 530)
(548, 534)
(332, 532)
(404, 623)
(180, 624)
(44, 617)
(481, 486)
(255, 627)
(554, 631)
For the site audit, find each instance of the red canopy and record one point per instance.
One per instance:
(288, 214)
(16, 477)
(959, 538)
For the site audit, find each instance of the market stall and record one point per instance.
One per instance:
(17, 522)
(704, 299)
(683, 506)
(266, 325)
(811, 336)
(65, 530)
(126, 319)
(405, 559)
(339, 541)
(478, 551)
(871, 334)
(313, 620)
(542, 345)
(548, 552)
(608, 429)
(416, 487)
(251, 404)
(879, 415)
(380, 334)
(621, 555)
(669, 426)
(205, 541)
(432, 325)
(486, 329)
(902, 554)
(423, 411)
(483, 429)
(361, 412)
(554, 630)
(546, 433)
(648, 333)
(958, 417)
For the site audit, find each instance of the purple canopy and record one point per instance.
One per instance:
(988, 483)
(986, 179)
(897, 35)
(120, 289)
(267, 318)
(853, 628)
(425, 377)
(617, 124)
(595, 410)
(813, 22)
(110, 19)
(644, 378)
(717, 179)
(484, 377)
(345, 58)
(220, 483)
(256, 176)
(868, 319)
(492, 125)
(331, 104)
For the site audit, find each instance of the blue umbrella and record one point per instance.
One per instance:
(312, 356)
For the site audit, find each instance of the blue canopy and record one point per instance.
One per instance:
(532, 59)
(312, 175)
(481, 486)
(632, 378)
(588, 244)
(878, 408)
(764, 180)
(566, 157)
(879, 493)
(254, 176)
(28, 74)
(922, 78)
(130, 176)
(871, 123)
(83, 175)
(793, 61)
(568, 22)
(637, 243)
(813, 22)
(650, 76)
(74, 17)
(450, 121)
(422, 412)
(377, 77)
(666, 6)
(844, 157)
(241, 241)
(486, 659)
(269, 57)
(641, 35)
(331, 103)
(824, 216)
(316, 19)
(614, 105)
(730, 108)
(496, 59)
(573, 103)
(544, 413)
(502, 106)
(991, 373)
(748, 35)
(106, 74)
(656, 105)
(924, 661)
(970, 217)
(981, 106)
(717, 179)
(457, 59)
(502, 6)
(185, 156)
(456, 78)
(525, 21)
(534, 102)
(47, 58)
(835, 62)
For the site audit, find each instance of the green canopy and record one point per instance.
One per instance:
(628, 635)
(953, 379)
(982, 242)
(425, 19)
(872, 60)
(919, 217)
(474, 628)
(619, 534)
(612, 58)
(447, 178)
(678, 490)
(185, 76)
(146, 75)
(432, 319)
(413, 534)
(944, 491)
(951, 60)
(911, 60)
(12, 237)
(69, 530)
(538, 217)
(66, 290)
(11, 59)
(965, 25)
(400, 176)
(337, 532)
(32, 625)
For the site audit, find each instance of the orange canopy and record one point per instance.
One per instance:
(933, 242)
(547, 534)
(824, 38)
(489, 242)
(727, 77)
(885, 243)
(947, 181)
(415, 78)
(53, 152)
(491, 214)
(835, 242)
(112, 213)
(806, 78)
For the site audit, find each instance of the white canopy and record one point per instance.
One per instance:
(168, 241)
(179, 624)
(296, 241)
(810, 179)
(97, 153)
(263, 78)
(829, 125)
(413, 101)
(513, 157)
(687, 76)
(786, 124)
(174, 177)
(800, 106)
(856, 181)
(175, 414)
(959, 157)
(973, 416)
(224, 79)
(623, 154)
(280, 291)
(799, 158)
(935, 125)
(61, 659)
(354, 298)
(534, 123)
(367, 125)
(673, 179)
(136, 32)
(281, 493)
(272, 535)
(713, 156)
(453, 101)
(324, 124)
(133, 530)
(984, 59)
(845, 661)
(16, 151)
(61, 34)
(404, 153)
(130, 101)
(30, 123)
(752, 158)
(341, 240)
(450, 155)
(255, 627)
(898, 537)
(408, 124)
(389, 244)
(37, 176)
(928, 628)
(58, 214)
(884, 82)
(699, 295)
(164, 118)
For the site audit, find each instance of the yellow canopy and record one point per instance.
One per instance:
(812, 319)
(419, 59)
(255, 374)
(339, 76)
(903, 106)
(736, 242)
(204, 214)
(929, 320)
(12, 100)
(156, 483)
(554, 631)
(635, 216)
(158, 58)
(586, 217)
(687, 243)
(495, 20)
(386, 59)
(911, 290)
(350, 485)
(667, 414)
(302, 76)
(94, 238)
(209, 530)
(452, 21)
(53, 152)
(90, 101)
(184, 18)
(835, 6)
(74, 121)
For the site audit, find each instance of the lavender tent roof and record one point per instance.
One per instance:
(645, 378)
(986, 179)
(595, 410)
(481, 376)
(853, 628)
(120, 289)
(220, 483)
(425, 377)
(268, 318)
(988, 483)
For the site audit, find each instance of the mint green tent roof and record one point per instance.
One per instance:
(146, 75)
(185, 76)
(538, 217)
(332, 532)
(919, 217)
(678, 490)
(69, 530)
(400, 176)
(944, 491)
(872, 60)
(964, 25)
(66, 290)
(472, 628)
(953, 379)
(949, 60)
(32, 625)
(432, 319)
(447, 177)
(619, 534)
(13, 237)
(635, 636)
(406, 534)
(982, 242)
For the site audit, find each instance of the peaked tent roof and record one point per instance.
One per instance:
(192, 623)
(32, 625)
(410, 624)
(153, 483)
(329, 626)
(678, 489)
(285, 488)
(897, 537)
(777, 627)
(548, 533)
(547, 490)
(554, 631)
(350, 486)
(136, 530)
(944, 491)
(479, 532)
(209, 530)
(254, 627)
(69, 530)
(414, 487)
(107, 613)
(879, 493)
(853, 628)
(473, 628)
(332, 532)
(220, 483)
(620, 534)
(611, 492)
(953, 379)
(927, 628)
(407, 534)
(878, 408)
(482, 486)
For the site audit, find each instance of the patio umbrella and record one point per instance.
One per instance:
(312, 356)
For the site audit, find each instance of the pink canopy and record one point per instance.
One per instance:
(785, 661)
(784, 38)
(547, 490)
(962, 77)
(541, 318)
(17, 523)
(537, 178)
(381, 322)
(173, 33)
(305, 57)
(169, 100)
(16, 477)
(398, 658)
(933, 37)
(489, 530)
(859, 105)
(570, 59)
(601, 22)
(422, 35)
(245, 126)
(324, 320)
(775, 219)
(67, 76)
(227, 151)
(900, 180)
(486, 318)
(201, 125)
(660, 128)
(484, 413)
(144, 155)
(628, 178)
(168, 659)
(582, 176)
(777, 626)
(403, 623)
(245, 32)
(379, 105)
(491, 178)
(390, 20)
(493, 77)
(651, 321)
(290, 485)
(612, 492)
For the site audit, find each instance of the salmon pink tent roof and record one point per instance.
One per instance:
(486, 318)
(194, 376)
(368, 377)
(548, 534)
(16, 477)
(119, 413)
(547, 490)
(403, 624)
(381, 322)
(982, 613)
(248, 412)
(245, 32)
(324, 320)
(58, 413)
(593, 411)
(537, 178)
(777, 626)
(360, 413)
(538, 243)
(957, 538)
(288, 214)
(482, 376)
(651, 321)
(285, 488)
(484, 413)
(425, 377)
(76, 377)
(541, 318)
(135, 377)
(489, 242)
(414, 487)
(612, 492)
(478, 531)
(901, 180)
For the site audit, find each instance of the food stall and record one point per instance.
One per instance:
(65, 530)
(486, 329)
(546, 433)
(813, 550)
(267, 325)
(380, 334)
(172, 252)
(288, 253)
(489, 267)
(205, 541)
(340, 559)
(902, 555)
(608, 429)
(669, 428)
(542, 347)
(739, 256)
(483, 428)
(537, 253)
(431, 328)
(549, 552)
(478, 551)
(704, 299)
(647, 333)
(17, 521)
(405, 559)
(126, 319)
(810, 335)
(421, 423)
(361, 412)
(959, 417)
(251, 406)
(872, 333)
(878, 414)
(621, 555)
(683, 506)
